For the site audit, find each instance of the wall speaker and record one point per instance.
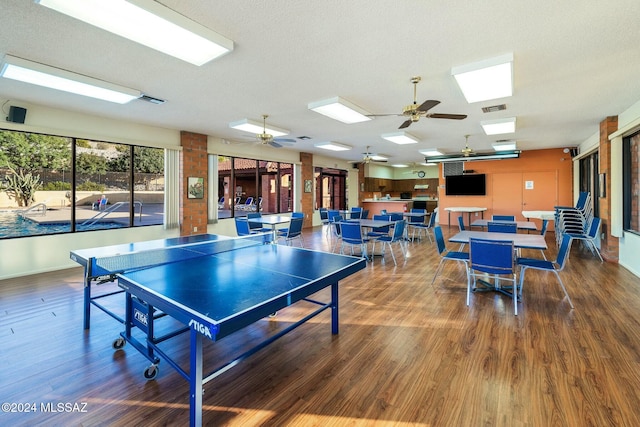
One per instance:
(17, 114)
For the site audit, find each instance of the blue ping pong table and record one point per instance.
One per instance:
(218, 288)
(95, 274)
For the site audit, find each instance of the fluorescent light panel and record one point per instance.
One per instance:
(400, 138)
(378, 157)
(55, 78)
(429, 152)
(485, 80)
(499, 126)
(253, 126)
(504, 145)
(149, 23)
(400, 165)
(333, 146)
(340, 109)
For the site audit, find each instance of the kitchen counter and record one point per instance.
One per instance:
(395, 204)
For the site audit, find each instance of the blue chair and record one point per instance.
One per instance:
(255, 226)
(294, 231)
(397, 238)
(242, 227)
(553, 266)
(364, 214)
(427, 227)
(503, 218)
(494, 259)
(461, 223)
(355, 213)
(415, 223)
(352, 236)
(502, 227)
(543, 232)
(380, 231)
(589, 238)
(297, 215)
(246, 205)
(324, 220)
(337, 230)
(446, 255)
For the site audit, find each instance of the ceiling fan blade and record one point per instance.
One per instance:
(406, 124)
(447, 116)
(427, 105)
(284, 140)
(274, 144)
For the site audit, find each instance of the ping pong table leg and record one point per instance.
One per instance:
(195, 383)
(334, 308)
(87, 299)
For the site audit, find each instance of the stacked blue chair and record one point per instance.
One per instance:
(574, 219)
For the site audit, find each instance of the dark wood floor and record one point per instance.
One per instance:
(407, 354)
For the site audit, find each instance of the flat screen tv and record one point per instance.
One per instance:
(466, 185)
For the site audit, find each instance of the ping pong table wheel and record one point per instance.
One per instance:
(151, 372)
(118, 343)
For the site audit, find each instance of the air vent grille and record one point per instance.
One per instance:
(453, 168)
(151, 99)
(494, 108)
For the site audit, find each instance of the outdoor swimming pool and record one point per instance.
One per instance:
(13, 225)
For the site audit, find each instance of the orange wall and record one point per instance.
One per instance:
(553, 161)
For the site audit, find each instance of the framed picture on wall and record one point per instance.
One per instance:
(195, 187)
(308, 186)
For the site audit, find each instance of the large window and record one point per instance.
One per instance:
(53, 184)
(249, 185)
(331, 188)
(631, 183)
(589, 179)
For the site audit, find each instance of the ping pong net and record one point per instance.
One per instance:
(153, 257)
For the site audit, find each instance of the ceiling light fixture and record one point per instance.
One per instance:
(149, 23)
(400, 138)
(333, 146)
(340, 109)
(485, 80)
(379, 157)
(429, 152)
(504, 145)
(55, 78)
(399, 165)
(252, 126)
(499, 126)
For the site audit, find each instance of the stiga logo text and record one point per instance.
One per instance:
(140, 317)
(199, 327)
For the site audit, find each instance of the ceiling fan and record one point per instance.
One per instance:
(368, 157)
(267, 139)
(466, 151)
(415, 111)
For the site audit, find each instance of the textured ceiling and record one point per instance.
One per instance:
(575, 63)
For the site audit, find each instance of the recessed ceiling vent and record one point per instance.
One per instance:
(494, 108)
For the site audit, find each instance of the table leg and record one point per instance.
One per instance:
(195, 383)
(334, 308)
